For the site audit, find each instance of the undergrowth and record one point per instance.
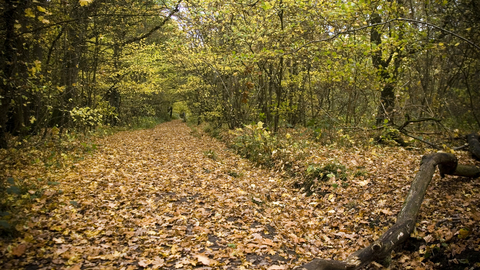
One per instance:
(288, 153)
(315, 176)
(24, 171)
(258, 144)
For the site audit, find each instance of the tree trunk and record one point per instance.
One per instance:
(474, 145)
(381, 249)
(7, 62)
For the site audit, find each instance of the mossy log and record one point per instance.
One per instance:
(381, 249)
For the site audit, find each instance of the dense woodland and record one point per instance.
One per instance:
(319, 64)
(339, 100)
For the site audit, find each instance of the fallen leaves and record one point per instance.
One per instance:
(153, 199)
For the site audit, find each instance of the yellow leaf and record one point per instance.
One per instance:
(76, 267)
(463, 233)
(85, 2)
(29, 13)
(174, 249)
(41, 9)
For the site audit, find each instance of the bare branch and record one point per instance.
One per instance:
(471, 43)
(153, 30)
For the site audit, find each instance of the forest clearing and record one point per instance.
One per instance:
(163, 199)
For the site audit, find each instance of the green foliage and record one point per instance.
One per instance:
(15, 192)
(391, 136)
(278, 64)
(213, 130)
(315, 176)
(258, 144)
(210, 154)
(86, 117)
(234, 174)
(195, 132)
(360, 173)
(145, 122)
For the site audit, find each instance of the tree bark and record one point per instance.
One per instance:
(401, 230)
(474, 145)
(8, 58)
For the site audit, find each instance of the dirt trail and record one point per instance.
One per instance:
(162, 198)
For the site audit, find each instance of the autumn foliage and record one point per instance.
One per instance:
(157, 198)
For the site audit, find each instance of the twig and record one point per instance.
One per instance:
(419, 139)
(460, 147)
(417, 121)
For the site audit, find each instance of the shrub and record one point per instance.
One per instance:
(258, 144)
(315, 176)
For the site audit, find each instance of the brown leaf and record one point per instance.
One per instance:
(158, 262)
(203, 259)
(76, 267)
(277, 267)
(143, 263)
(19, 250)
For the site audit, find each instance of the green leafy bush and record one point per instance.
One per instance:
(258, 144)
(315, 176)
(85, 118)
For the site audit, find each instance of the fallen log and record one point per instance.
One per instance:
(474, 145)
(380, 250)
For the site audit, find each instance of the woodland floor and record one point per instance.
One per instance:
(164, 199)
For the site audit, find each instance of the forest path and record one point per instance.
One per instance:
(162, 198)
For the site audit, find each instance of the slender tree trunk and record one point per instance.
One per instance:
(279, 77)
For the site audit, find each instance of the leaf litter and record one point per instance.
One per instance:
(164, 199)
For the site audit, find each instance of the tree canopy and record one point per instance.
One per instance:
(79, 64)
